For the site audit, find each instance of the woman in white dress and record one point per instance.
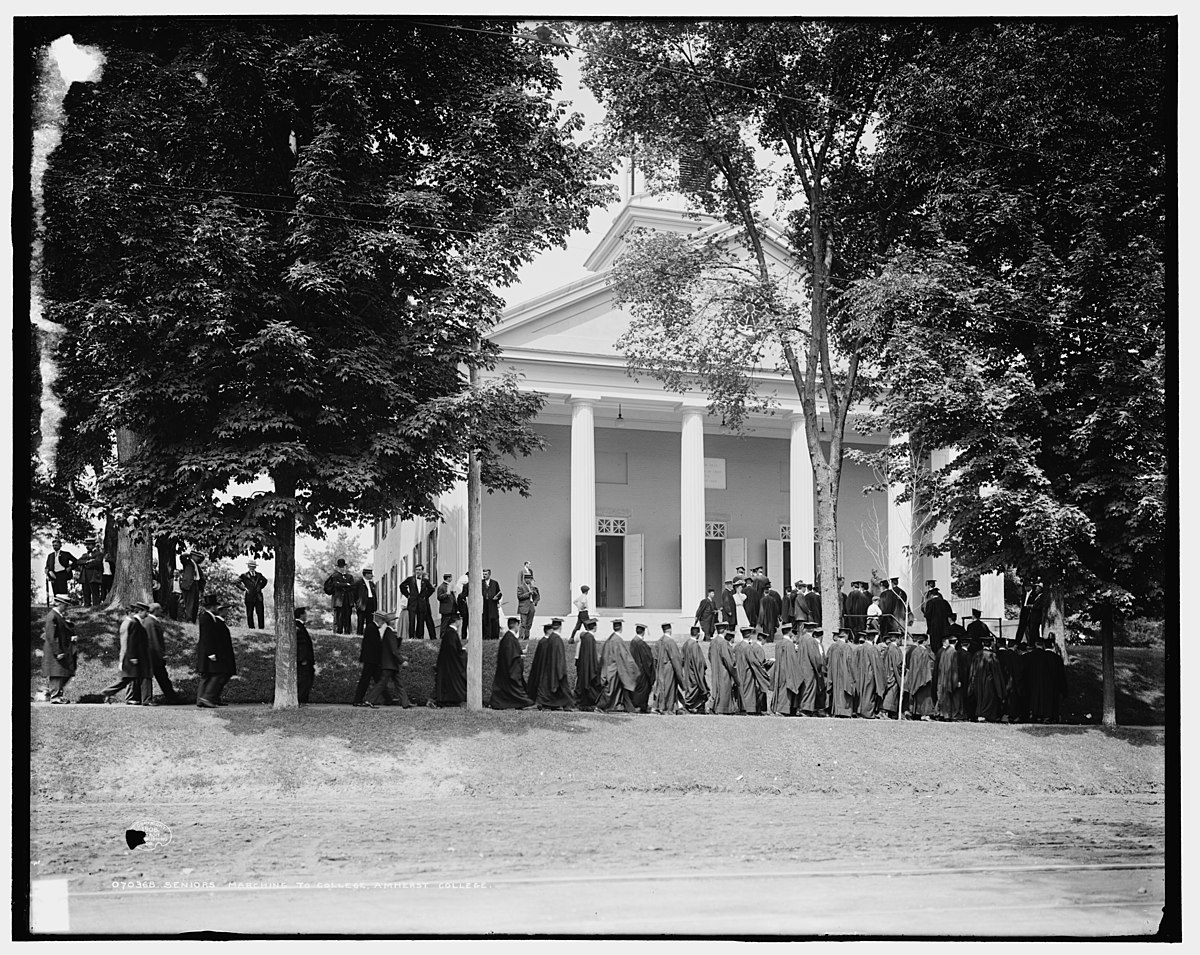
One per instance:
(739, 600)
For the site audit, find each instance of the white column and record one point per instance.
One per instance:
(991, 596)
(583, 495)
(691, 508)
(940, 566)
(800, 504)
(899, 530)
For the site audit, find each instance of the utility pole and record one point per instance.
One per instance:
(474, 560)
(1108, 665)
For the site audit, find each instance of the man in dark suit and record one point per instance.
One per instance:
(417, 590)
(158, 664)
(889, 610)
(728, 604)
(107, 569)
(366, 598)
(306, 661)
(491, 607)
(253, 583)
(369, 655)
(191, 584)
(1033, 610)
(447, 602)
(340, 586)
(390, 665)
(706, 614)
(215, 662)
(137, 671)
(90, 568)
(58, 567)
(58, 649)
(903, 595)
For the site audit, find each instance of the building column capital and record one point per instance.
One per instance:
(584, 399)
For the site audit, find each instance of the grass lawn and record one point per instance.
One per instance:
(1140, 677)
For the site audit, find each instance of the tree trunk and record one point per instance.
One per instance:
(286, 690)
(827, 568)
(475, 582)
(1055, 622)
(1108, 666)
(133, 563)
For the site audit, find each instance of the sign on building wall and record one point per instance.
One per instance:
(714, 473)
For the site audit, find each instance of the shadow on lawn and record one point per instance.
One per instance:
(1133, 735)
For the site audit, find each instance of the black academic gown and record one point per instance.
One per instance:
(619, 675)
(872, 679)
(949, 685)
(668, 674)
(723, 676)
(215, 638)
(694, 686)
(857, 602)
(786, 679)
(770, 607)
(893, 659)
(553, 688)
(587, 672)
(450, 679)
(643, 658)
(508, 685)
(808, 663)
(750, 660)
(918, 681)
(987, 685)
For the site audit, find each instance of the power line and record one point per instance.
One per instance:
(839, 285)
(695, 75)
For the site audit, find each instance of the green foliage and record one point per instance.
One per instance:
(1023, 316)
(251, 308)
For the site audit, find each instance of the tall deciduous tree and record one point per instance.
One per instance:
(709, 98)
(275, 244)
(1028, 310)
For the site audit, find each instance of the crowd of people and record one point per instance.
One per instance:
(872, 667)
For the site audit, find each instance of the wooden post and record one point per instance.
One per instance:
(1108, 666)
(474, 570)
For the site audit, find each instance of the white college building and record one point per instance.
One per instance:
(639, 493)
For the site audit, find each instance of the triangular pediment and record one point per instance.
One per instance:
(580, 318)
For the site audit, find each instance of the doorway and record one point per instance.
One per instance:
(714, 564)
(610, 571)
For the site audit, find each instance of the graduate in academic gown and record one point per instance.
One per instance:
(808, 668)
(843, 676)
(643, 658)
(750, 660)
(987, 685)
(786, 679)
(587, 669)
(1012, 666)
(949, 695)
(872, 678)
(918, 679)
(390, 665)
(812, 603)
(770, 608)
(668, 672)
(1046, 681)
(538, 662)
(693, 688)
(553, 688)
(937, 618)
(893, 658)
(722, 673)
(753, 600)
(450, 677)
(508, 685)
(857, 602)
(619, 673)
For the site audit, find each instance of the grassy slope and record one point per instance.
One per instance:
(1140, 677)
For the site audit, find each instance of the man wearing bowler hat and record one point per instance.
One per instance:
(137, 670)
(252, 582)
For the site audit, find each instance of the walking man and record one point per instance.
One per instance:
(137, 675)
(58, 649)
(215, 661)
(582, 606)
(158, 662)
(508, 685)
(370, 655)
(706, 613)
(390, 665)
(252, 582)
(416, 591)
